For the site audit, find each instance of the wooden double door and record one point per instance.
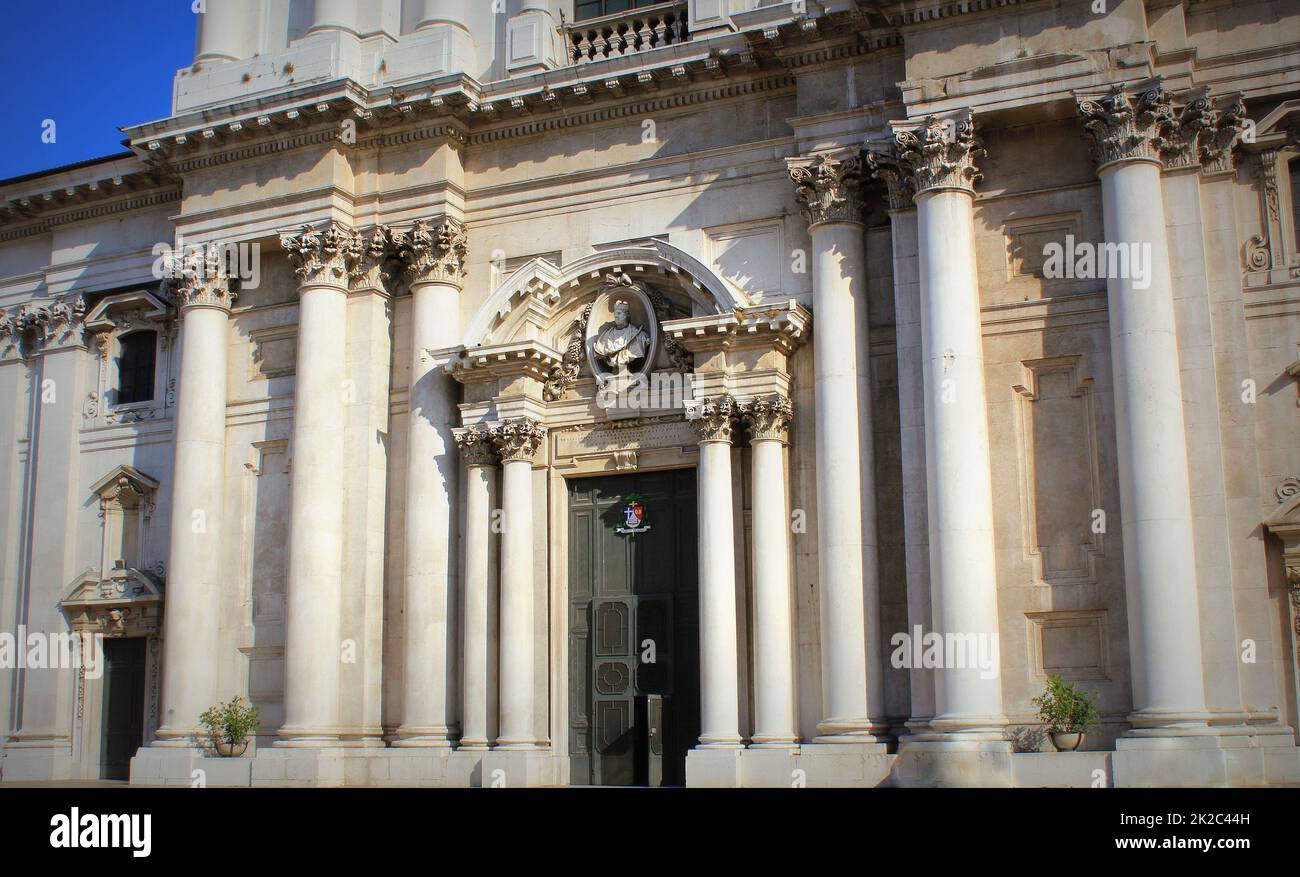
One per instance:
(634, 677)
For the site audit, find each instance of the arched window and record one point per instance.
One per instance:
(135, 367)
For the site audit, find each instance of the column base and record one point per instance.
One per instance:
(774, 741)
(429, 738)
(310, 738)
(857, 731)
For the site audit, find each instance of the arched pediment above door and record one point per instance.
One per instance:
(535, 302)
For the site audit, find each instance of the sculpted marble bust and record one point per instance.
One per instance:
(621, 332)
(621, 342)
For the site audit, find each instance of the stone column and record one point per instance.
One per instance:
(827, 190)
(911, 417)
(939, 155)
(516, 442)
(719, 675)
(434, 255)
(194, 566)
(768, 421)
(221, 31)
(481, 605)
(442, 12)
(338, 15)
(1155, 497)
(325, 259)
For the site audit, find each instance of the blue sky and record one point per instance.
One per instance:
(92, 66)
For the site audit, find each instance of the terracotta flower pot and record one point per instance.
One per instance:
(227, 749)
(1066, 741)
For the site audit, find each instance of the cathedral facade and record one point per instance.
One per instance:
(701, 392)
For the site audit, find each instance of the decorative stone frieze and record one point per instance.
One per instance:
(768, 419)
(940, 154)
(476, 446)
(1199, 133)
(713, 419)
(31, 328)
(433, 251)
(827, 188)
(517, 439)
(1123, 126)
(333, 255)
(197, 279)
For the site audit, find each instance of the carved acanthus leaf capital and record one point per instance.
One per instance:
(896, 174)
(714, 418)
(197, 279)
(32, 327)
(1199, 132)
(476, 446)
(1122, 126)
(828, 189)
(333, 255)
(517, 439)
(940, 153)
(433, 251)
(768, 419)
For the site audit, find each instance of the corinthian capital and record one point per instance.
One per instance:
(433, 251)
(517, 439)
(714, 418)
(476, 445)
(828, 189)
(940, 154)
(768, 419)
(900, 185)
(1201, 132)
(333, 255)
(197, 279)
(31, 328)
(1123, 126)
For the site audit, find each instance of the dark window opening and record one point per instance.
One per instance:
(135, 367)
(1294, 168)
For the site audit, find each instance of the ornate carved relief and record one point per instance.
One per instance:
(1121, 126)
(828, 189)
(713, 419)
(432, 251)
(940, 154)
(900, 186)
(197, 280)
(333, 255)
(565, 375)
(476, 446)
(1200, 134)
(768, 419)
(517, 439)
(33, 327)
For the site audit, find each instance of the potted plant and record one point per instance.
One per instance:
(1067, 712)
(229, 724)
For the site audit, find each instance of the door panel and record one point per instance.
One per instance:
(633, 636)
(123, 713)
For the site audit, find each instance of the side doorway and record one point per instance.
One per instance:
(123, 706)
(633, 675)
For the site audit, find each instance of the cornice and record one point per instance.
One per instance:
(27, 215)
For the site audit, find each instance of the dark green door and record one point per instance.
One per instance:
(123, 716)
(634, 690)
